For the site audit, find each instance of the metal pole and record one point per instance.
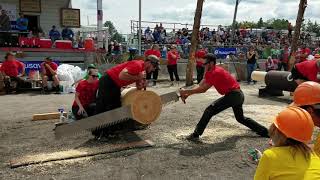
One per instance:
(139, 32)
(234, 20)
(99, 20)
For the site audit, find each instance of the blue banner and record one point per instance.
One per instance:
(222, 53)
(34, 65)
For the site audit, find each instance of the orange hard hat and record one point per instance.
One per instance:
(307, 93)
(295, 123)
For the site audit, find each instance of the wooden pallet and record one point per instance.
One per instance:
(77, 153)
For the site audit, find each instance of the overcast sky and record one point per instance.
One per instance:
(215, 12)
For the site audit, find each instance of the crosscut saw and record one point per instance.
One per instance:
(115, 116)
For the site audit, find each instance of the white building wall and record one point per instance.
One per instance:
(50, 12)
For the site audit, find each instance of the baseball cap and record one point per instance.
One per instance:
(154, 61)
(92, 66)
(48, 58)
(9, 54)
(210, 58)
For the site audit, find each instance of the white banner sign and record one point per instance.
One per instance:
(11, 10)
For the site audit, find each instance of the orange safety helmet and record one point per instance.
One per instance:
(307, 93)
(295, 123)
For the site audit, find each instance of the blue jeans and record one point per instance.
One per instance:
(250, 69)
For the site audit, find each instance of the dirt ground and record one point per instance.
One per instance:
(222, 153)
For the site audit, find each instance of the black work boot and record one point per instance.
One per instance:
(193, 137)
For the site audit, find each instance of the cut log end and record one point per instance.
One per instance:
(146, 106)
(258, 76)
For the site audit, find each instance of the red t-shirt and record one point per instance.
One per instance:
(305, 51)
(285, 56)
(221, 80)
(87, 92)
(152, 52)
(200, 54)
(53, 66)
(308, 69)
(134, 67)
(12, 68)
(171, 59)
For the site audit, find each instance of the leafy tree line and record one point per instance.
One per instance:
(279, 24)
(113, 32)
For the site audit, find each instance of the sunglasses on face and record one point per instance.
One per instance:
(94, 76)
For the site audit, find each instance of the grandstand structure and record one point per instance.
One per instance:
(171, 29)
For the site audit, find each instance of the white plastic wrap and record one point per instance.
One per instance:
(68, 75)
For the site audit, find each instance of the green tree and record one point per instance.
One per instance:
(113, 33)
(260, 23)
(279, 24)
(247, 24)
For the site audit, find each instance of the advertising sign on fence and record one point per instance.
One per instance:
(222, 53)
(34, 65)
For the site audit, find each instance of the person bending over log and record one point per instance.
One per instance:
(109, 94)
(306, 71)
(85, 97)
(233, 97)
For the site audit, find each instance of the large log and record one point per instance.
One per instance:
(146, 106)
(279, 80)
(141, 106)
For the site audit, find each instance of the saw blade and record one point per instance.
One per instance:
(169, 97)
(94, 122)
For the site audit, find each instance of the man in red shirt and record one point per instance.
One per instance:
(49, 73)
(233, 97)
(306, 71)
(304, 53)
(85, 97)
(200, 54)
(284, 59)
(12, 70)
(153, 51)
(109, 94)
(173, 56)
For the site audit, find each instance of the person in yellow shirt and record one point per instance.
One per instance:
(290, 158)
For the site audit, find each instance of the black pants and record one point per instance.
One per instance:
(89, 109)
(284, 65)
(173, 69)
(20, 84)
(235, 100)
(5, 39)
(109, 95)
(109, 98)
(154, 75)
(200, 73)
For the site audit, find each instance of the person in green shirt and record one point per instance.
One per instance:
(91, 66)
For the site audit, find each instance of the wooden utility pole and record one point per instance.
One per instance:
(296, 35)
(194, 43)
(234, 21)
